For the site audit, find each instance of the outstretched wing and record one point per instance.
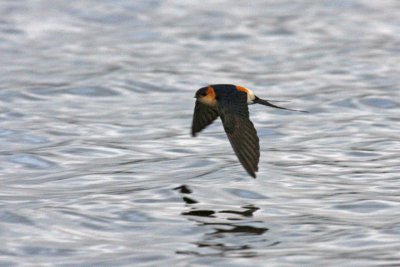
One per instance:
(203, 116)
(240, 130)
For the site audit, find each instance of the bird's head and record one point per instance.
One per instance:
(206, 95)
(202, 92)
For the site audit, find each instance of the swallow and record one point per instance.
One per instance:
(230, 102)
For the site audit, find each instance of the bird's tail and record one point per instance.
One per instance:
(273, 100)
(266, 103)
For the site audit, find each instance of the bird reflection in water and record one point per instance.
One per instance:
(226, 231)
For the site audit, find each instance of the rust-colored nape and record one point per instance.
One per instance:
(209, 99)
(211, 92)
(242, 89)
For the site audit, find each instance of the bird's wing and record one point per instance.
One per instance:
(203, 116)
(234, 114)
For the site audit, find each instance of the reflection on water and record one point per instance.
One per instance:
(225, 230)
(98, 167)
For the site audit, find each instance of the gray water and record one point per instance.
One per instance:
(98, 167)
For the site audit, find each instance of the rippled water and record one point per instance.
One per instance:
(98, 167)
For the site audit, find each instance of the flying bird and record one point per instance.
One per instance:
(230, 102)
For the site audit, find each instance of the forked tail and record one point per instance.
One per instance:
(266, 103)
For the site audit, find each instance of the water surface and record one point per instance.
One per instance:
(98, 167)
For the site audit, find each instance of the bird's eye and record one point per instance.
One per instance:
(203, 94)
